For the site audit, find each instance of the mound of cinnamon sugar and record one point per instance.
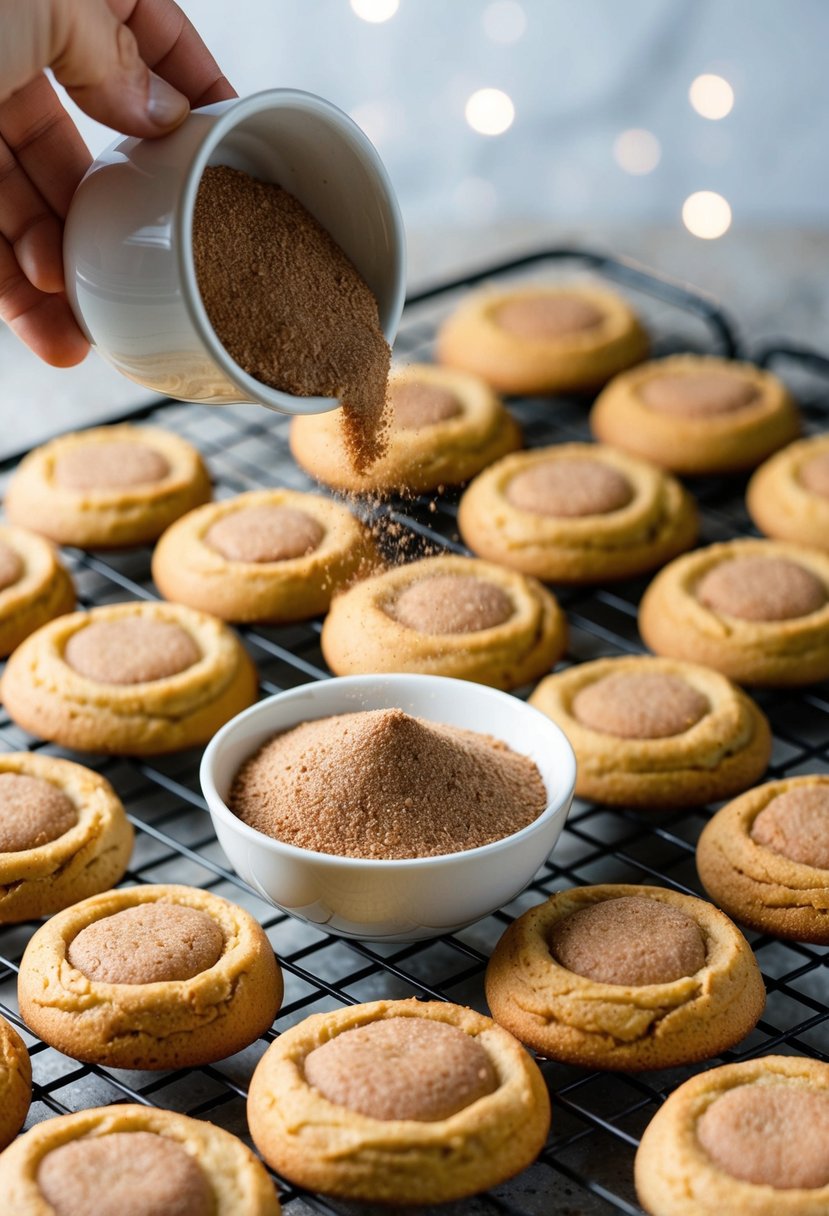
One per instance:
(382, 784)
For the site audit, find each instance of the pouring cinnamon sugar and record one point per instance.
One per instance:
(287, 304)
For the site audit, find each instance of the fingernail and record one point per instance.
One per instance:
(166, 107)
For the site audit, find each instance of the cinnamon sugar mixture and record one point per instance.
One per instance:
(287, 304)
(384, 785)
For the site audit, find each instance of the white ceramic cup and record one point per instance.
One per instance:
(128, 256)
(391, 900)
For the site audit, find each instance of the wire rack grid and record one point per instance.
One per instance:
(586, 1166)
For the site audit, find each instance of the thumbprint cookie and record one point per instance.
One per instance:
(577, 513)
(696, 414)
(445, 426)
(132, 679)
(764, 858)
(150, 977)
(398, 1101)
(270, 555)
(34, 586)
(756, 610)
(655, 732)
(107, 488)
(625, 977)
(748, 1137)
(788, 496)
(449, 616)
(539, 339)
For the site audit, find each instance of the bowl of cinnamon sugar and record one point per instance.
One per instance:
(389, 808)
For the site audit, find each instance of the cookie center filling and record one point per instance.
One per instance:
(32, 812)
(632, 940)
(130, 651)
(451, 603)
(546, 318)
(417, 404)
(402, 1068)
(648, 706)
(124, 1174)
(265, 534)
(697, 394)
(111, 465)
(796, 825)
(814, 474)
(569, 488)
(11, 566)
(147, 944)
(761, 589)
(770, 1135)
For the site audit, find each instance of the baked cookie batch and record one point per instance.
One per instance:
(414, 1101)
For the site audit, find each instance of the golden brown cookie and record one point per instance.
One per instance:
(150, 977)
(34, 586)
(448, 616)
(131, 679)
(112, 1160)
(764, 858)
(788, 496)
(543, 339)
(655, 733)
(625, 977)
(445, 427)
(271, 555)
(107, 488)
(756, 610)
(15, 1087)
(64, 835)
(745, 1138)
(577, 513)
(696, 414)
(398, 1101)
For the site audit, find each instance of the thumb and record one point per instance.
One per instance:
(96, 58)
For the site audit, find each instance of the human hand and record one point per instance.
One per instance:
(135, 65)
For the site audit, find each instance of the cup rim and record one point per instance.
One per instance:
(565, 757)
(234, 112)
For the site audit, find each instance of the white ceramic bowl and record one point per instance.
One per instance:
(128, 256)
(391, 900)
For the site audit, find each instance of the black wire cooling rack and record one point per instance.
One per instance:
(587, 1165)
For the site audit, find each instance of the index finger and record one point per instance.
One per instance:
(171, 46)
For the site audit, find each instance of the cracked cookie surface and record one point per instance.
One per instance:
(652, 732)
(577, 513)
(764, 858)
(137, 678)
(133, 1018)
(756, 610)
(328, 1111)
(449, 616)
(610, 1022)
